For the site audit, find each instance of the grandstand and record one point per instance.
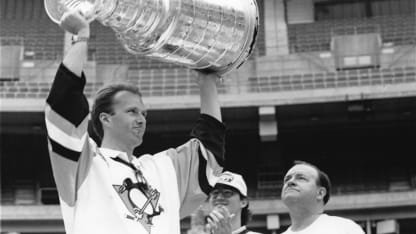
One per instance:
(317, 36)
(300, 96)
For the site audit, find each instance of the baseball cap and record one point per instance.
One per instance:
(233, 180)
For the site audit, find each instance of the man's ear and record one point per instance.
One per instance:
(105, 118)
(321, 193)
(244, 202)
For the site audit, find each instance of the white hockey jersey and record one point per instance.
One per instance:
(101, 192)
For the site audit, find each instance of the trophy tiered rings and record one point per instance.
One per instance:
(207, 35)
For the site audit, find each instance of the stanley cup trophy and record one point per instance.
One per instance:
(206, 35)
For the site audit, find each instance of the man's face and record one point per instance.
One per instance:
(228, 197)
(300, 187)
(127, 123)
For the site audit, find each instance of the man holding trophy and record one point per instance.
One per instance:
(105, 188)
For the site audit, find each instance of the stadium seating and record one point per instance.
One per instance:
(307, 37)
(7, 195)
(361, 180)
(167, 82)
(27, 21)
(152, 82)
(20, 89)
(269, 183)
(42, 37)
(180, 82)
(269, 186)
(348, 78)
(106, 49)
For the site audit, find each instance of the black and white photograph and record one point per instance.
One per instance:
(208, 116)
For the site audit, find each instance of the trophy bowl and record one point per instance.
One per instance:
(205, 35)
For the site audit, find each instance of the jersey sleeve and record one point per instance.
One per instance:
(66, 118)
(199, 162)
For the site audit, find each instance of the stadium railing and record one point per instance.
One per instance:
(180, 82)
(348, 78)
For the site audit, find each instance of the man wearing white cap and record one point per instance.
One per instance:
(229, 205)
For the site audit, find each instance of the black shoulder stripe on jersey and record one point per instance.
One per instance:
(211, 133)
(202, 176)
(64, 152)
(66, 96)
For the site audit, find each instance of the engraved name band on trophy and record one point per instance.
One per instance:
(207, 35)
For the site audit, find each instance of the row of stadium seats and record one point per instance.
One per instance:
(167, 82)
(152, 82)
(106, 49)
(22, 10)
(46, 39)
(21, 89)
(42, 38)
(270, 184)
(341, 189)
(25, 192)
(349, 78)
(307, 37)
(179, 81)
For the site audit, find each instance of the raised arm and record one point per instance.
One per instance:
(66, 97)
(66, 115)
(209, 95)
(200, 161)
(76, 56)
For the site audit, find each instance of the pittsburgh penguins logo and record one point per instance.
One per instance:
(141, 200)
(226, 177)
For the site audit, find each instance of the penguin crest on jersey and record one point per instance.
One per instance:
(141, 200)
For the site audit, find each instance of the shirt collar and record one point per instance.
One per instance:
(239, 230)
(111, 153)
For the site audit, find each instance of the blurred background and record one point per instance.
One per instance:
(331, 82)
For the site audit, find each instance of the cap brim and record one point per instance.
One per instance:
(227, 186)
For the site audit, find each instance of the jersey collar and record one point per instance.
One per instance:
(110, 153)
